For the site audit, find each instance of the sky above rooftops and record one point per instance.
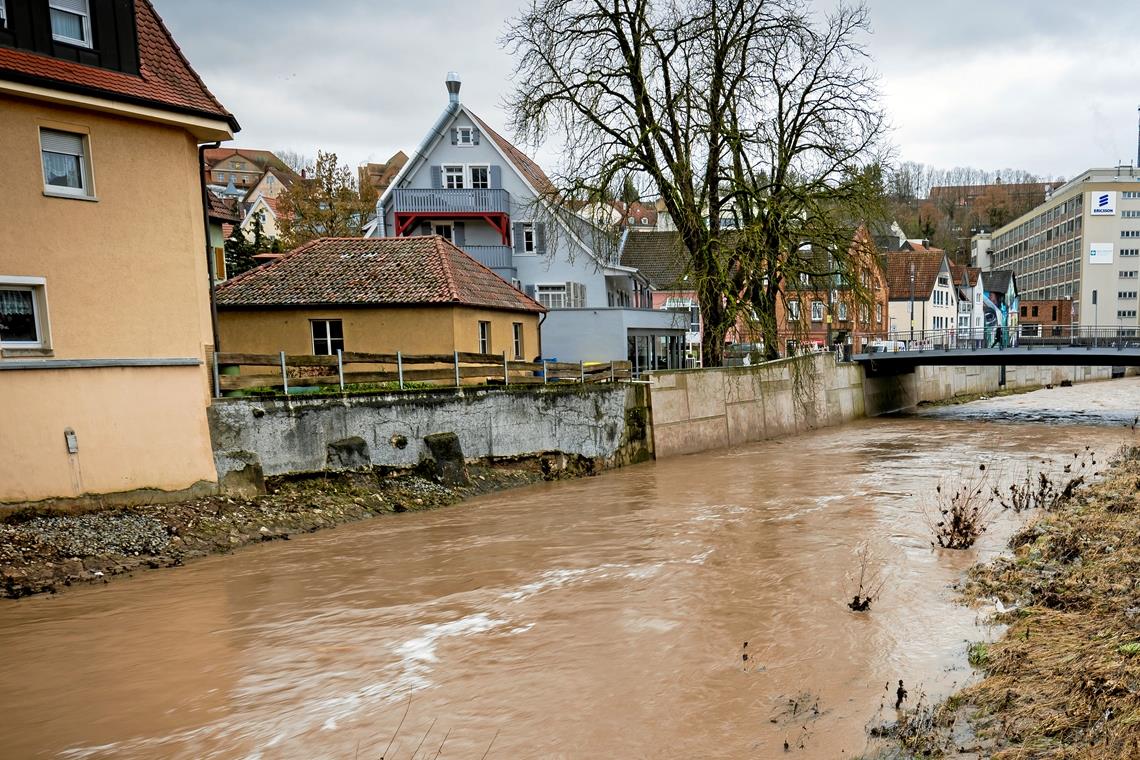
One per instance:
(1044, 85)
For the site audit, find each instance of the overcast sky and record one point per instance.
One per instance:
(1051, 86)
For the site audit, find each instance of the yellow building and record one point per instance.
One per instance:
(104, 298)
(418, 295)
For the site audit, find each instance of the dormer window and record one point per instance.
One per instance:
(71, 21)
(465, 136)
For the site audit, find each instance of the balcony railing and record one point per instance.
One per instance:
(491, 256)
(443, 201)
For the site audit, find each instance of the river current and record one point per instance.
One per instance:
(600, 618)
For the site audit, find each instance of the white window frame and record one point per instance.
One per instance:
(469, 132)
(437, 226)
(528, 245)
(471, 176)
(85, 20)
(517, 336)
(456, 172)
(484, 336)
(817, 311)
(842, 311)
(327, 339)
(86, 190)
(38, 288)
(549, 289)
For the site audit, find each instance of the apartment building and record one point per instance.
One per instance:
(1082, 245)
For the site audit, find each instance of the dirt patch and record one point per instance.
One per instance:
(1064, 680)
(43, 551)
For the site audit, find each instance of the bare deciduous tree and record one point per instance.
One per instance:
(741, 110)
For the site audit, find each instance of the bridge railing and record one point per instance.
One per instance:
(989, 338)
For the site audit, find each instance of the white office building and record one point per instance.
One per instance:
(1082, 243)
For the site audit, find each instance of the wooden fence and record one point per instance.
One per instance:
(243, 372)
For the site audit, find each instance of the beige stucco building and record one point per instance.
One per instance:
(1084, 239)
(104, 300)
(417, 295)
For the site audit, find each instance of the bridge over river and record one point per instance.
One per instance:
(1088, 347)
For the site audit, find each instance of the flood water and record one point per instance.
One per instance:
(601, 618)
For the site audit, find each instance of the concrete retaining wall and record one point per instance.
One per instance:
(930, 384)
(700, 410)
(606, 423)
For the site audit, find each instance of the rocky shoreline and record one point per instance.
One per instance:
(44, 551)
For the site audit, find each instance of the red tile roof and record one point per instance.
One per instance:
(264, 159)
(404, 271)
(927, 264)
(221, 209)
(529, 169)
(165, 80)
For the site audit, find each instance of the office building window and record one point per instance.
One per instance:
(328, 336)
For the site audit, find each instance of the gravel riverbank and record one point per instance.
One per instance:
(43, 552)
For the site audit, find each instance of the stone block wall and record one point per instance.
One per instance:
(606, 423)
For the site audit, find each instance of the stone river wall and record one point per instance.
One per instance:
(605, 423)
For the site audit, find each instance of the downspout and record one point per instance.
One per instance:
(213, 272)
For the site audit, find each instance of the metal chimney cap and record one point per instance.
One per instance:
(453, 83)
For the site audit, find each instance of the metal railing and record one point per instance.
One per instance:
(492, 256)
(445, 201)
(988, 338)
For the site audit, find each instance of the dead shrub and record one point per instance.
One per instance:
(962, 510)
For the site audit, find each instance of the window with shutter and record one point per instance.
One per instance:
(71, 21)
(64, 163)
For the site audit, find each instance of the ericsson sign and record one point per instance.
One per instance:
(1103, 202)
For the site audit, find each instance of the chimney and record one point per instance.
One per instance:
(453, 83)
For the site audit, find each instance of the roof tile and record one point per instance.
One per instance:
(374, 271)
(165, 76)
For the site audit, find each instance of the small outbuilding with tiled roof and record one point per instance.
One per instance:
(418, 295)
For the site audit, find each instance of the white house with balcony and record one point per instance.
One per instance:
(469, 184)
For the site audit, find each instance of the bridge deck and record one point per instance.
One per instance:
(1122, 355)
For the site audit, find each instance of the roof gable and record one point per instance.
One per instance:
(406, 271)
(927, 266)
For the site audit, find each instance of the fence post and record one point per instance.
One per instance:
(582, 371)
(456, 369)
(400, 367)
(612, 371)
(217, 379)
(340, 366)
(506, 371)
(284, 376)
(544, 371)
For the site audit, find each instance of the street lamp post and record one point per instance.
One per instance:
(911, 303)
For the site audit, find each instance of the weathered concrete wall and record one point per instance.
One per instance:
(700, 410)
(606, 423)
(930, 384)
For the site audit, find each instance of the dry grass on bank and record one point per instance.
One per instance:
(1064, 681)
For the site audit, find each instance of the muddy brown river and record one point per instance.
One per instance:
(601, 618)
